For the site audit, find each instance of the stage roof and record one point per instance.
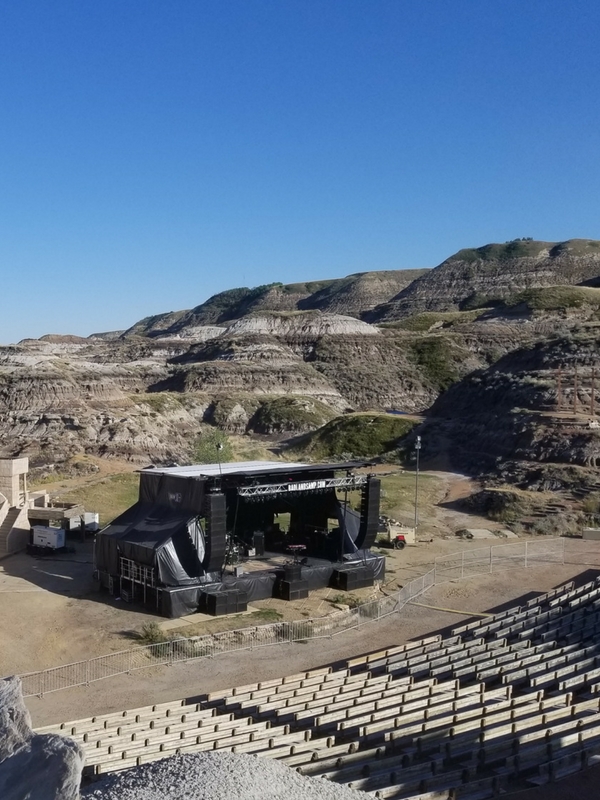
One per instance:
(246, 468)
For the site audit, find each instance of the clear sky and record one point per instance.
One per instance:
(155, 152)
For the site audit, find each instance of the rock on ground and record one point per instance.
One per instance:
(33, 766)
(216, 776)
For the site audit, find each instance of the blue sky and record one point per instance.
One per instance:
(153, 153)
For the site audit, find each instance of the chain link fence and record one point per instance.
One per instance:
(458, 566)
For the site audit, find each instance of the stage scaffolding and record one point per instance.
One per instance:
(138, 575)
(348, 482)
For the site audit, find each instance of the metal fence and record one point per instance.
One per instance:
(458, 566)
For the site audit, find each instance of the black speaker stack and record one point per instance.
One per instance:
(347, 579)
(220, 603)
(292, 572)
(259, 544)
(291, 586)
(369, 513)
(216, 532)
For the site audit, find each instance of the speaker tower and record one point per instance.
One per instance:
(216, 532)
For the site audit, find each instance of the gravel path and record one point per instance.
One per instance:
(216, 776)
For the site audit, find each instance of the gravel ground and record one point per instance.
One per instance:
(216, 776)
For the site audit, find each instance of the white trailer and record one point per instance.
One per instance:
(91, 521)
(45, 536)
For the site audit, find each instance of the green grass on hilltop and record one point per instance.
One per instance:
(354, 436)
(556, 298)
(518, 248)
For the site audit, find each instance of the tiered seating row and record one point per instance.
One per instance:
(505, 699)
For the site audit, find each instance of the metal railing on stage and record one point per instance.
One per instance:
(458, 566)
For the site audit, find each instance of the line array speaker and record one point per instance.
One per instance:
(216, 532)
(369, 514)
(259, 544)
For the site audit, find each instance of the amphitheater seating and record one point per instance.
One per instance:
(505, 701)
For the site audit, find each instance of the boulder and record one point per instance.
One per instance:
(34, 766)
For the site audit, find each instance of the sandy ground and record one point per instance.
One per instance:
(460, 600)
(54, 599)
(442, 608)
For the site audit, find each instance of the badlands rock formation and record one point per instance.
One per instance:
(481, 276)
(283, 360)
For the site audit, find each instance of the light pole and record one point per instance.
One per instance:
(418, 450)
(219, 447)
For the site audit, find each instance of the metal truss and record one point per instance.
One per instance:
(138, 573)
(269, 489)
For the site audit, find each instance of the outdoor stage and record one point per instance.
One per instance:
(214, 537)
(266, 577)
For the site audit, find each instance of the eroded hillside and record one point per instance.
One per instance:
(476, 278)
(284, 360)
(530, 419)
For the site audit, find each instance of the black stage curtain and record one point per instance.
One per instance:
(154, 536)
(175, 492)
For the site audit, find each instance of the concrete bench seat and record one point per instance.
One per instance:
(559, 768)
(542, 734)
(567, 597)
(584, 677)
(213, 697)
(380, 769)
(440, 662)
(306, 712)
(156, 750)
(110, 746)
(342, 706)
(240, 699)
(544, 599)
(323, 694)
(306, 756)
(264, 698)
(451, 709)
(86, 729)
(430, 735)
(392, 786)
(364, 661)
(459, 739)
(329, 762)
(529, 746)
(119, 718)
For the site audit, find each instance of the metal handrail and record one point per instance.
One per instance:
(456, 566)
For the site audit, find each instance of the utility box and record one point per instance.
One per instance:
(52, 538)
(91, 521)
(592, 534)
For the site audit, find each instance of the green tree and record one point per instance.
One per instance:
(212, 446)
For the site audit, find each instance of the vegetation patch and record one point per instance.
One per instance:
(435, 358)
(265, 615)
(349, 600)
(212, 446)
(289, 415)
(354, 436)
(517, 248)
(152, 633)
(160, 402)
(556, 298)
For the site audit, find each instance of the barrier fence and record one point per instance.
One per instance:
(458, 566)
